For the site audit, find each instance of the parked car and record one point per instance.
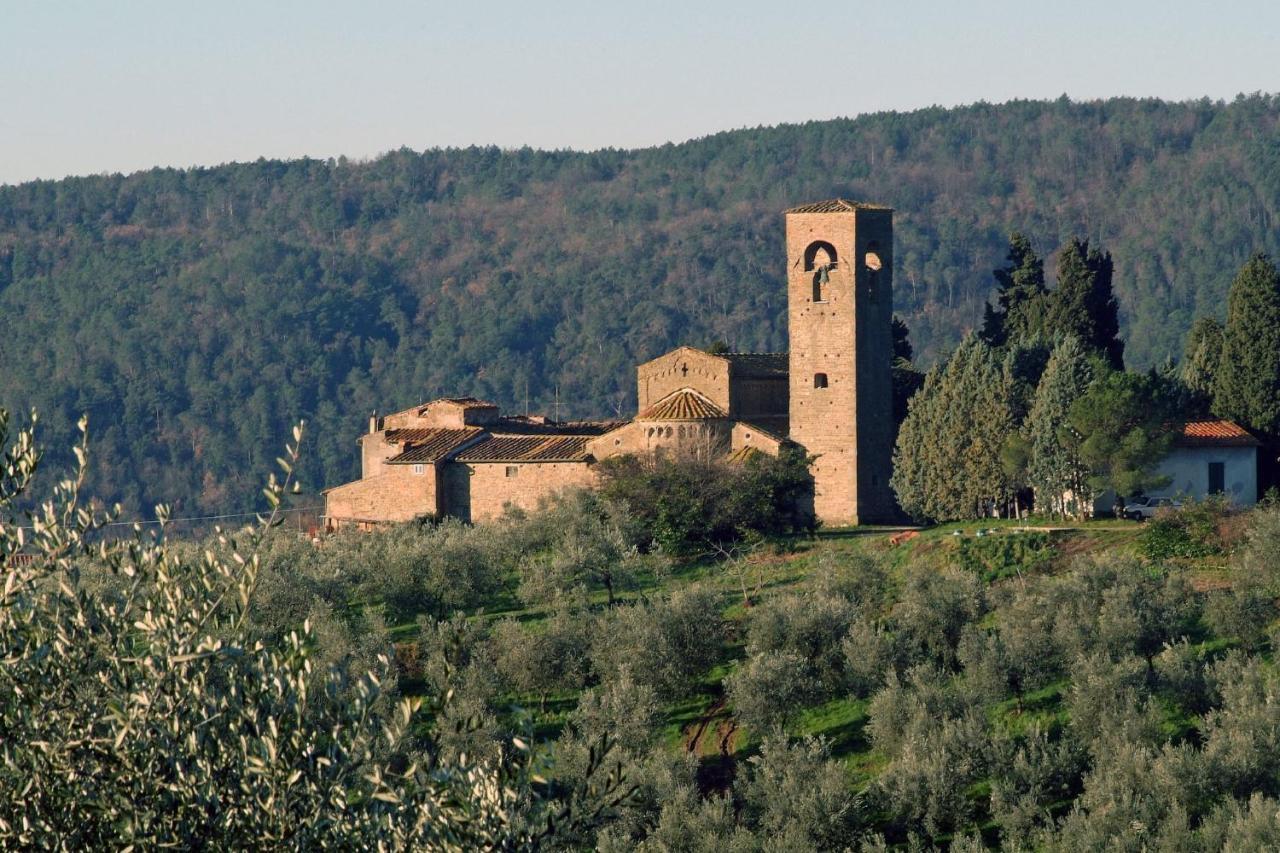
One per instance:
(1140, 509)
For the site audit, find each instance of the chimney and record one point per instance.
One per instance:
(373, 422)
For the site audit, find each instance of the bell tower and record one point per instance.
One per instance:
(839, 317)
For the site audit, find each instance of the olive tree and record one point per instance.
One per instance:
(141, 712)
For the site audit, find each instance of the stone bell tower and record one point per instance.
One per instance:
(840, 310)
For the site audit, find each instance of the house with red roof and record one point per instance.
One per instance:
(1213, 457)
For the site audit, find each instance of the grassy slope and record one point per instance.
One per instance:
(703, 721)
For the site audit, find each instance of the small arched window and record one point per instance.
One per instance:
(819, 253)
(819, 380)
(873, 264)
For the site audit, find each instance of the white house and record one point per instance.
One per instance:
(1209, 457)
(1213, 457)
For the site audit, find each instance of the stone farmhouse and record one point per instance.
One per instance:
(831, 395)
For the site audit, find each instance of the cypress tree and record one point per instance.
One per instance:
(1084, 303)
(947, 462)
(1247, 389)
(1201, 359)
(1055, 469)
(1020, 293)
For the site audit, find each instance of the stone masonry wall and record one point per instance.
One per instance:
(685, 367)
(398, 494)
(841, 399)
(492, 489)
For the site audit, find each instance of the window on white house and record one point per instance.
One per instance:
(1217, 478)
(513, 470)
(419, 469)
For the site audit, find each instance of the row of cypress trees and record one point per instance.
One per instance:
(1037, 405)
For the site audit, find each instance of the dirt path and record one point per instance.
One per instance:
(713, 739)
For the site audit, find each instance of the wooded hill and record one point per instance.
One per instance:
(193, 314)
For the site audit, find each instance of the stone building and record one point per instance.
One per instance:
(831, 395)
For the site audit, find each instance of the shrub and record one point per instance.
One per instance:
(1005, 555)
(1189, 531)
(688, 505)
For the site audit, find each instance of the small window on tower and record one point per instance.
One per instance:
(819, 380)
(419, 469)
(513, 470)
(871, 260)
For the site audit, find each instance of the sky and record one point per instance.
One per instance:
(92, 87)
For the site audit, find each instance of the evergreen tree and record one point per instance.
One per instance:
(1020, 293)
(1084, 304)
(947, 463)
(906, 378)
(1247, 388)
(1201, 358)
(1054, 469)
(1122, 423)
(902, 350)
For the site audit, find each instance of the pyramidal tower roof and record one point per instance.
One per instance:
(836, 205)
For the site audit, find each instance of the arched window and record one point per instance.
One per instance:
(872, 262)
(819, 380)
(820, 253)
(820, 259)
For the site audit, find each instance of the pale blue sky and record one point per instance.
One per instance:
(118, 86)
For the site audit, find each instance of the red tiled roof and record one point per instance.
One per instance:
(414, 435)
(1215, 433)
(429, 445)
(528, 448)
(836, 205)
(683, 405)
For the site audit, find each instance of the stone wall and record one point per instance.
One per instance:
(401, 493)
(492, 486)
(746, 435)
(685, 367)
(841, 394)
(375, 450)
(758, 398)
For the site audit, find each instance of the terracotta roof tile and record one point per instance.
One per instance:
(1215, 433)
(685, 404)
(836, 205)
(430, 445)
(528, 448)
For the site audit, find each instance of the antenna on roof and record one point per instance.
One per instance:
(526, 396)
(557, 402)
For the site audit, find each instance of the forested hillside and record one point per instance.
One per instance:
(193, 314)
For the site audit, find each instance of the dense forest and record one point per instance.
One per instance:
(194, 313)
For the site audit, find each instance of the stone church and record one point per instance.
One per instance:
(831, 395)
